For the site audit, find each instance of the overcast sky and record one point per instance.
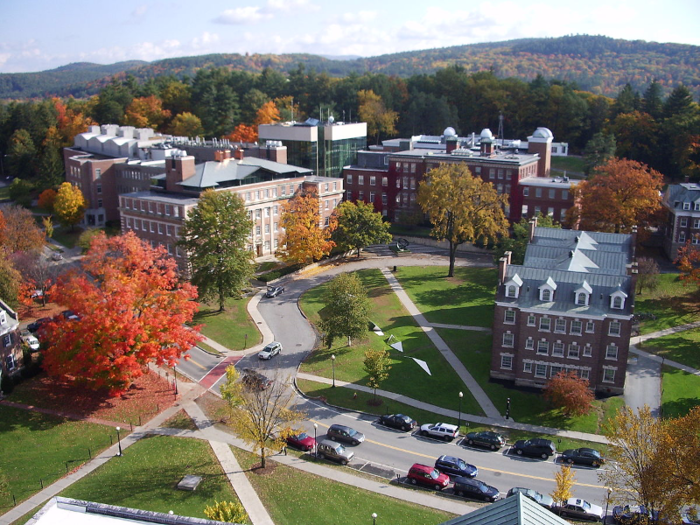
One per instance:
(36, 35)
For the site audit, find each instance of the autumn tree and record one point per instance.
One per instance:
(86, 237)
(146, 112)
(571, 393)
(648, 274)
(10, 281)
(186, 125)
(377, 366)
(20, 232)
(688, 262)
(244, 134)
(69, 205)
(215, 236)
(619, 195)
(133, 311)
(305, 239)
(47, 223)
(267, 114)
(226, 511)
(38, 273)
(372, 110)
(462, 208)
(564, 479)
(46, 200)
(517, 243)
(346, 310)
(261, 417)
(359, 226)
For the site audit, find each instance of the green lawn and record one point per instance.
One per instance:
(145, 477)
(405, 377)
(399, 230)
(36, 447)
(575, 164)
(65, 236)
(681, 347)
(680, 392)
(292, 497)
(229, 327)
(673, 302)
(465, 299)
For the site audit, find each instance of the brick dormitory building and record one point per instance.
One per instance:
(568, 307)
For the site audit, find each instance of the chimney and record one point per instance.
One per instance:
(451, 145)
(532, 224)
(177, 170)
(503, 267)
(509, 256)
(634, 242)
(486, 148)
(238, 154)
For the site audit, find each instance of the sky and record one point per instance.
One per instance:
(37, 35)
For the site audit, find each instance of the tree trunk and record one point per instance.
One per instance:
(358, 251)
(263, 459)
(453, 253)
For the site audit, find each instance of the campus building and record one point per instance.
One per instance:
(11, 344)
(568, 307)
(682, 203)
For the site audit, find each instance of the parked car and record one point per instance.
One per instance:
(302, 441)
(546, 501)
(274, 291)
(583, 456)
(488, 439)
(255, 380)
(580, 509)
(31, 341)
(440, 430)
(36, 325)
(427, 476)
(347, 434)
(537, 447)
(399, 421)
(70, 315)
(335, 451)
(270, 350)
(475, 489)
(56, 256)
(455, 467)
(633, 515)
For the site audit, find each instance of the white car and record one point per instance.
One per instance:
(270, 350)
(31, 341)
(440, 430)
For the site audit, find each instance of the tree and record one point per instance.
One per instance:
(69, 205)
(10, 281)
(226, 511)
(688, 260)
(38, 273)
(245, 134)
(648, 274)
(186, 125)
(304, 239)
(376, 364)
(86, 237)
(22, 155)
(261, 417)
(21, 192)
(599, 150)
(565, 480)
(635, 441)
(462, 208)
(146, 112)
(46, 200)
(571, 393)
(20, 232)
(620, 194)
(47, 223)
(359, 226)
(346, 311)
(133, 310)
(517, 243)
(267, 114)
(215, 236)
(372, 110)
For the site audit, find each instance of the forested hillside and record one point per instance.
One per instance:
(597, 64)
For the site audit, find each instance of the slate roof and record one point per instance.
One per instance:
(677, 194)
(213, 174)
(515, 510)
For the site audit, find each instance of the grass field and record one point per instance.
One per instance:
(673, 303)
(37, 447)
(405, 377)
(680, 392)
(681, 347)
(292, 497)
(232, 328)
(569, 163)
(145, 477)
(465, 299)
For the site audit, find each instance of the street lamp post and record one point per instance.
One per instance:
(175, 372)
(374, 518)
(607, 503)
(459, 420)
(119, 442)
(315, 442)
(507, 408)
(333, 362)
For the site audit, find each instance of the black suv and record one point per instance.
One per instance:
(474, 488)
(537, 447)
(488, 439)
(347, 434)
(454, 467)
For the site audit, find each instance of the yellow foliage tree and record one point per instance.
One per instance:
(69, 205)
(267, 114)
(564, 482)
(186, 125)
(244, 134)
(462, 208)
(304, 239)
(372, 110)
(226, 511)
(146, 112)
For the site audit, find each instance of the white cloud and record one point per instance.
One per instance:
(290, 5)
(361, 17)
(242, 15)
(204, 41)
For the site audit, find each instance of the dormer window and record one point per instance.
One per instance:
(582, 294)
(547, 290)
(686, 205)
(546, 295)
(513, 287)
(617, 299)
(697, 206)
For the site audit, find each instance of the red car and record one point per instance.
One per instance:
(427, 476)
(302, 441)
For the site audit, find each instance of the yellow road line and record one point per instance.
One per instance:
(477, 466)
(190, 360)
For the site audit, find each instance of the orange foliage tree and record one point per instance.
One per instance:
(267, 114)
(688, 262)
(619, 195)
(146, 112)
(572, 394)
(132, 309)
(70, 122)
(46, 199)
(243, 133)
(304, 239)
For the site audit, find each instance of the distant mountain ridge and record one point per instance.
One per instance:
(595, 63)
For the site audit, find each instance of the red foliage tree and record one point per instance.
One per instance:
(244, 134)
(688, 262)
(46, 200)
(572, 394)
(132, 311)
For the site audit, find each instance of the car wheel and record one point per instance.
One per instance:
(423, 432)
(459, 493)
(321, 455)
(470, 442)
(544, 456)
(519, 452)
(570, 461)
(344, 462)
(333, 438)
(493, 447)
(307, 449)
(448, 438)
(595, 464)
(438, 487)
(413, 481)
(355, 443)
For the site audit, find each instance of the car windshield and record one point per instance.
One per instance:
(585, 505)
(301, 436)
(352, 432)
(482, 486)
(434, 474)
(401, 417)
(340, 449)
(462, 465)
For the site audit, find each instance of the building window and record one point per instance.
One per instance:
(551, 194)
(531, 320)
(574, 351)
(511, 291)
(257, 230)
(554, 370)
(558, 349)
(508, 339)
(384, 199)
(361, 180)
(617, 302)
(581, 299)
(587, 350)
(590, 327)
(371, 196)
(576, 327)
(275, 210)
(372, 180)
(99, 189)
(276, 227)
(161, 228)
(584, 373)
(348, 181)
(509, 317)
(385, 181)
(614, 328)
(546, 294)
(611, 352)
(529, 343)
(507, 362)
(545, 324)
(697, 206)
(560, 325)
(527, 367)
(153, 227)
(267, 227)
(608, 375)
(538, 193)
(540, 370)
(686, 205)
(99, 203)
(684, 222)
(681, 237)
(526, 192)
(696, 224)
(565, 194)
(361, 196)
(542, 347)
(492, 173)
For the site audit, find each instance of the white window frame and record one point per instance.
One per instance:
(508, 339)
(558, 349)
(509, 317)
(606, 371)
(542, 347)
(529, 343)
(557, 325)
(506, 362)
(541, 370)
(612, 351)
(614, 328)
(545, 321)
